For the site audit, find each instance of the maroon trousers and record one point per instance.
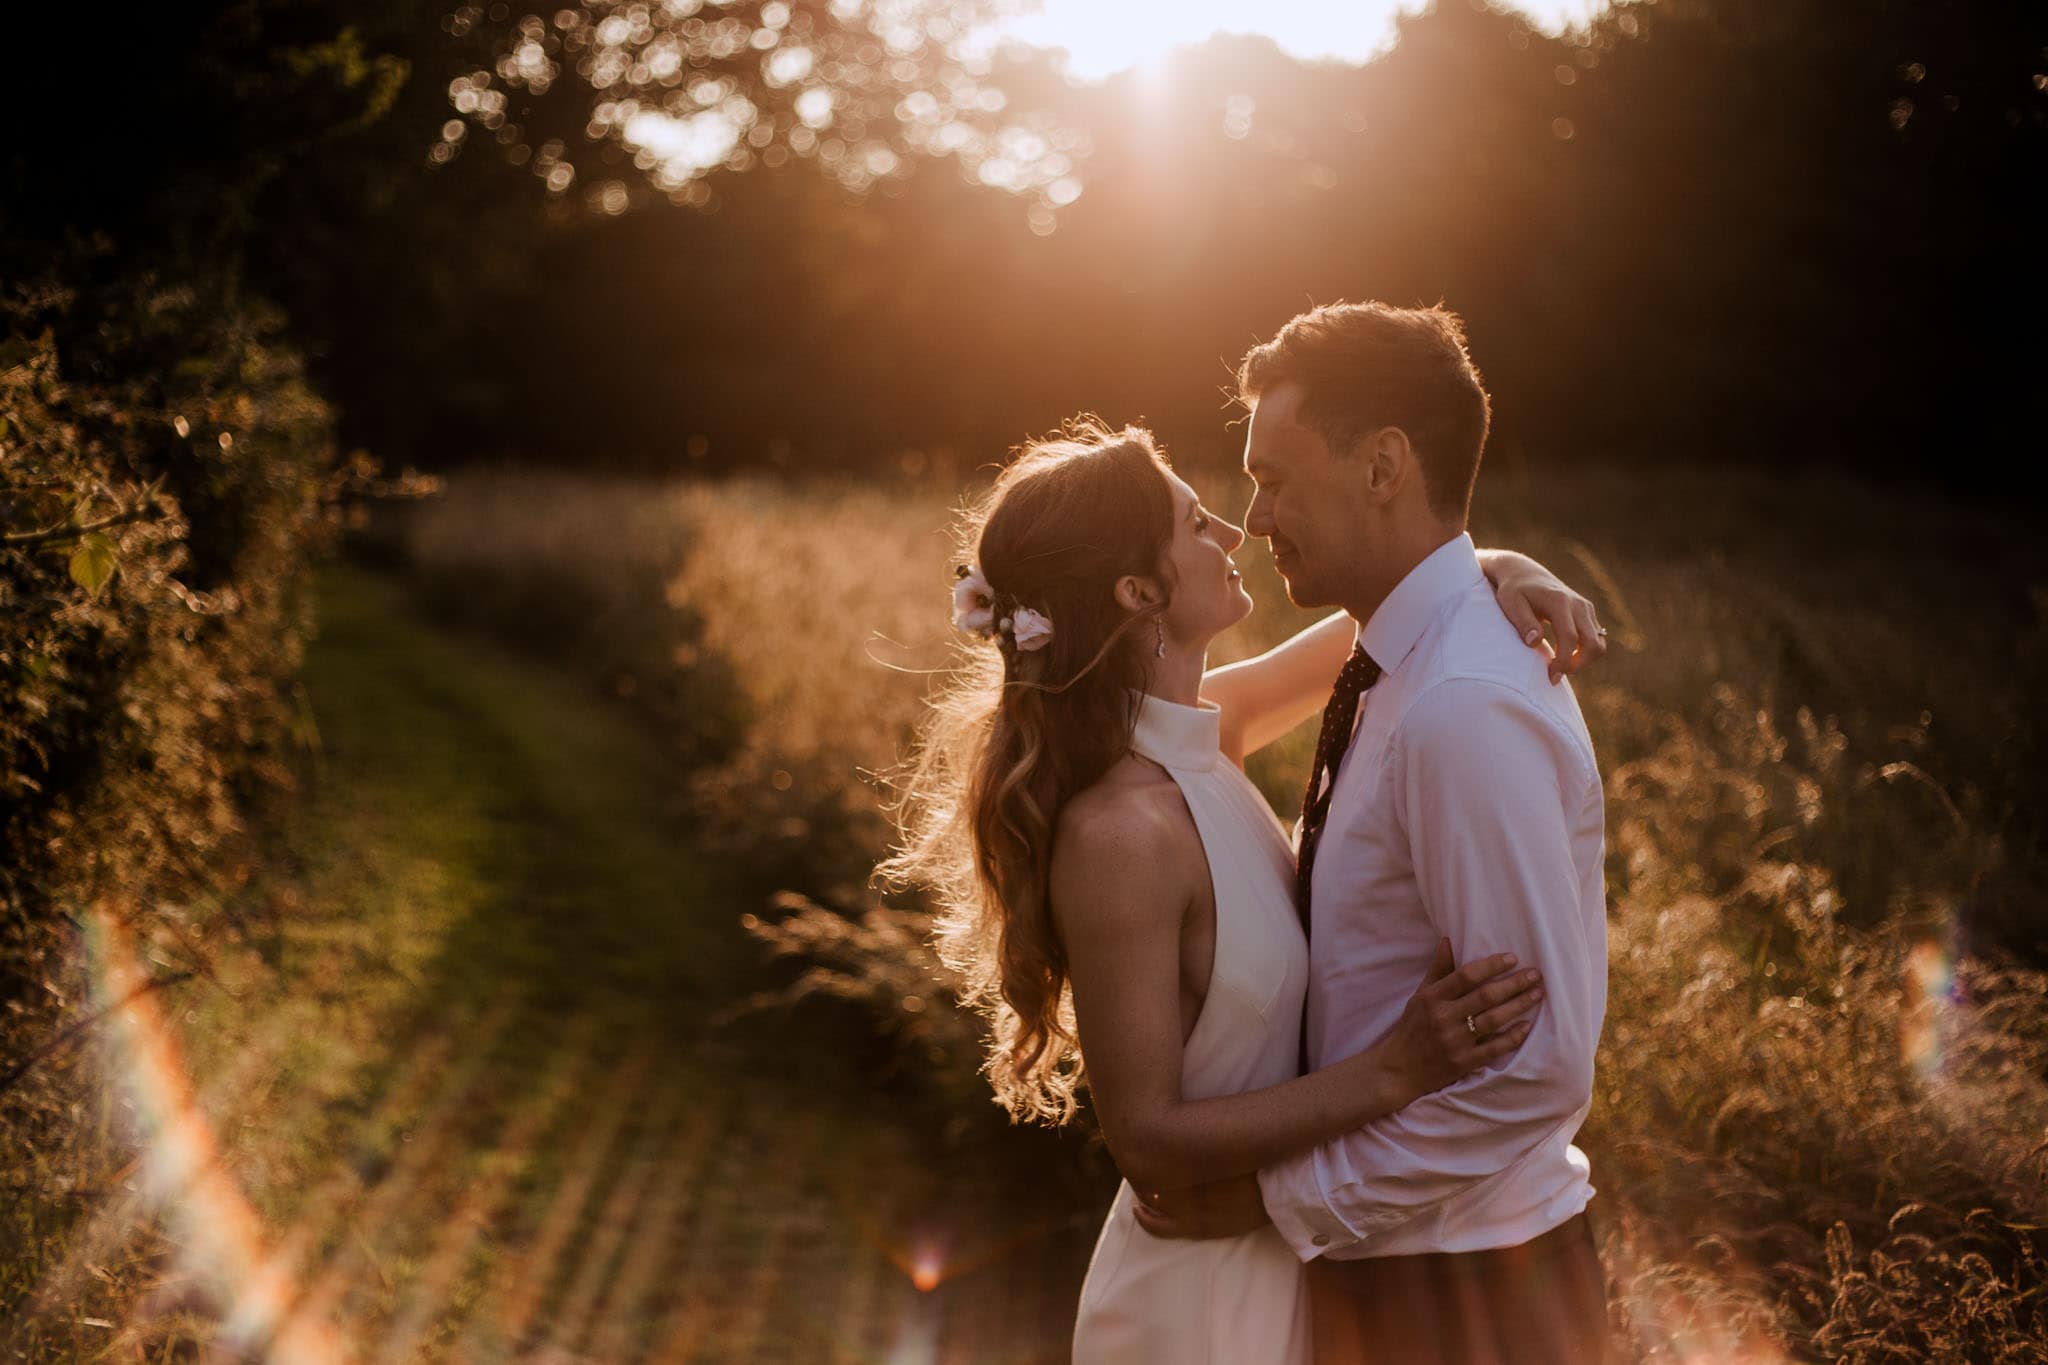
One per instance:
(1541, 1303)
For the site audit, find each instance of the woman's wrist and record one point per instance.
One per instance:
(1382, 1085)
(1500, 566)
(1489, 564)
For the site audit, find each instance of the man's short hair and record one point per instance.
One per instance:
(1364, 366)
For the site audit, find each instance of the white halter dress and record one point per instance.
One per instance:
(1239, 1299)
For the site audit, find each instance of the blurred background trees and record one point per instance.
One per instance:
(827, 233)
(239, 240)
(1701, 229)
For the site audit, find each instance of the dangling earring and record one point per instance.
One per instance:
(1159, 633)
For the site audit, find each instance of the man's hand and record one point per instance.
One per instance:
(1221, 1208)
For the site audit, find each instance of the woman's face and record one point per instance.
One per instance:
(1208, 592)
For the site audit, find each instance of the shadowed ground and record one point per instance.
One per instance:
(474, 1090)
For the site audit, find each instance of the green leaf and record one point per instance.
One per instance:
(92, 563)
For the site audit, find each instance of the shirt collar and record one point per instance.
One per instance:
(1398, 622)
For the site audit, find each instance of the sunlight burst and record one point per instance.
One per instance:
(1101, 40)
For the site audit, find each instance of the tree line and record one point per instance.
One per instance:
(1761, 231)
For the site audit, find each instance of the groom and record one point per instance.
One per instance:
(1454, 794)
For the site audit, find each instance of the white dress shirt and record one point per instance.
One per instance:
(1468, 805)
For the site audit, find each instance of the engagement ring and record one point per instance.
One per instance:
(1471, 1027)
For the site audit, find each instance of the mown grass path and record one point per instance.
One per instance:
(471, 1076)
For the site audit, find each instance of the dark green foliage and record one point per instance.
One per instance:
(146, 655)
(165, 468)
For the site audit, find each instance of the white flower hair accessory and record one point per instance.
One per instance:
(1028, 628)
(974, 605)
(974, 611)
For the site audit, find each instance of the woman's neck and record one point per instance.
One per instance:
(1177, 675)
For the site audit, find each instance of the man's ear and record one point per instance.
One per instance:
(1389, 463)
(1134, 593)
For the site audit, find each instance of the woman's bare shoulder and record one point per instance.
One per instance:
(1128, 839)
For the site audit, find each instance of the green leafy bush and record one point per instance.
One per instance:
(161, 484)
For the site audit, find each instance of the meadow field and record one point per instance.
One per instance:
(560, 1020)
(1820, 1114)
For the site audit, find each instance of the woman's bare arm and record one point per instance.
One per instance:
(1123, 882)
(1263, 698)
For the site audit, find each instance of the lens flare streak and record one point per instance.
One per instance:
(220, 1239)
(1924, 1019)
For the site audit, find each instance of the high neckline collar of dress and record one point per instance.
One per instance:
(1176, 736)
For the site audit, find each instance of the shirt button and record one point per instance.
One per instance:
(1321, 1239)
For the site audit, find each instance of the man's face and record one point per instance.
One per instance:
(1306, 503)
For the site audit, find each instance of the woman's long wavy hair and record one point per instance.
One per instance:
(1013, 735)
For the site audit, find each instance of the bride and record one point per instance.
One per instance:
(1110, 885)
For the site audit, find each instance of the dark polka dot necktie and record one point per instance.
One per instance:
(1359, 672)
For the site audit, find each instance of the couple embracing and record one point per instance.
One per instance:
(1338, 1145)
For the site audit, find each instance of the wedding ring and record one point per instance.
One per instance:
(1471, 1027)
(1599, 630)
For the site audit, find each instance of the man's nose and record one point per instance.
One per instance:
(1258, 518)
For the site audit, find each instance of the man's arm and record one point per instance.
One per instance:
(1121, 885)
(1489, 788)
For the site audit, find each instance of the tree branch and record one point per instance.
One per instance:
(19, 540)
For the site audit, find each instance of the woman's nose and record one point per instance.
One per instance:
(1233, 536)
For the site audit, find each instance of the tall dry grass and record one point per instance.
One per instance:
(1820, 1120)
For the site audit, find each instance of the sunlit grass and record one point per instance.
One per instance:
(1818, 1117)
(493, 1071)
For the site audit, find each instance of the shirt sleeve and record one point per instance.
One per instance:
(1488, 789)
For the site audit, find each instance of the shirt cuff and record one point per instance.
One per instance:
(1303, 1216)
